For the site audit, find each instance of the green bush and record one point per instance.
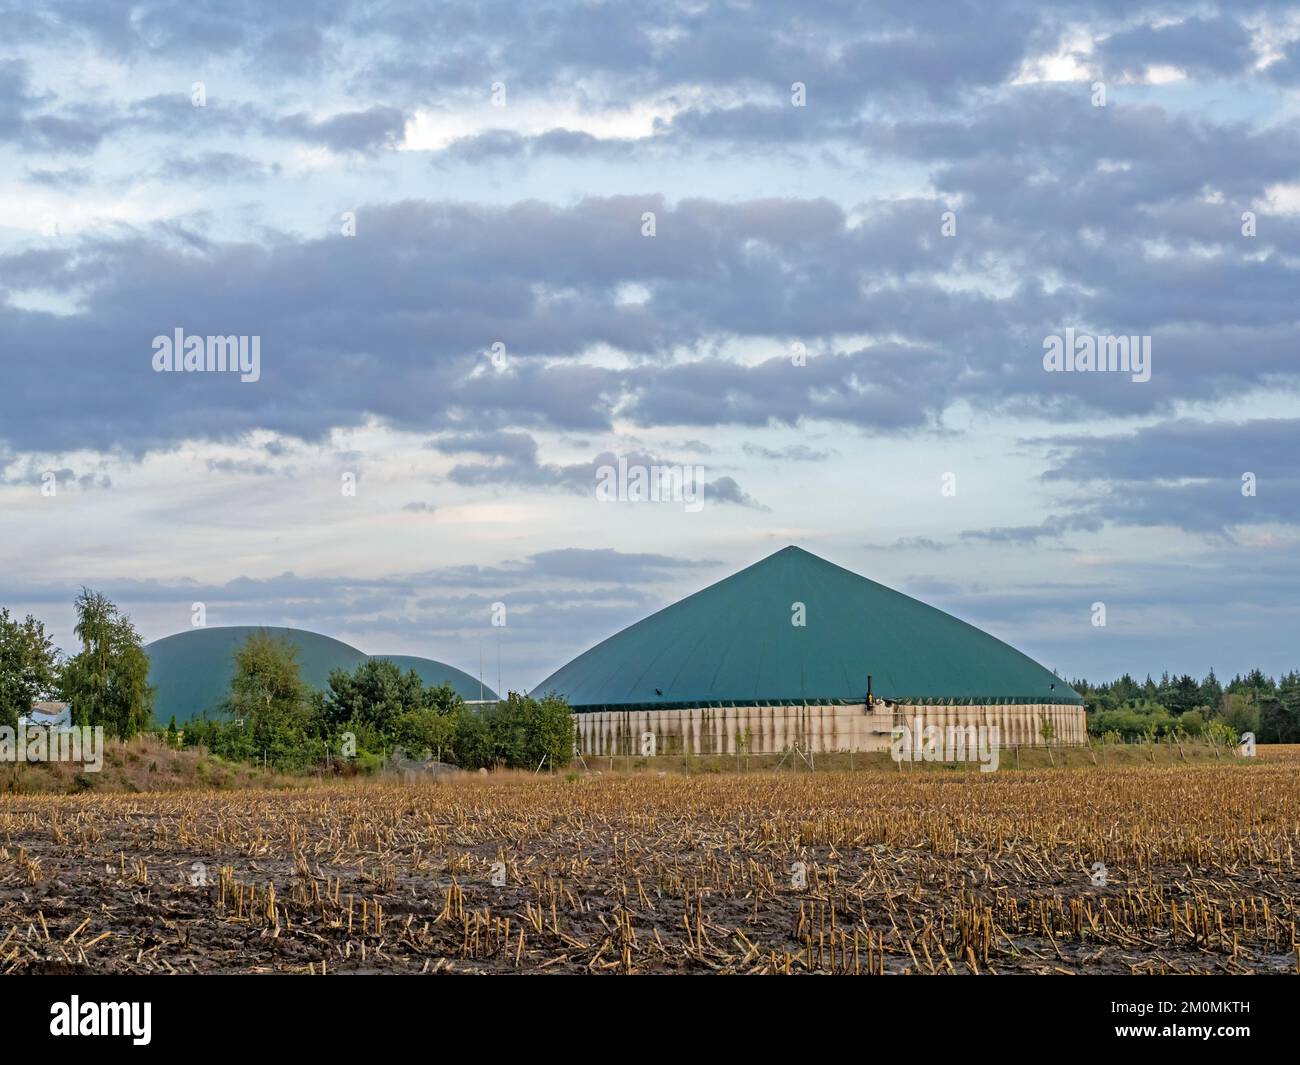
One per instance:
(271, 716)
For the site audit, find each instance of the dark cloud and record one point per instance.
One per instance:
(506, 145)
(354, 131)
(513, 461)
(1217, 46)
(1124, 219)
(1053, 527)
(1204, 476)
(395, 322)
(24, 117)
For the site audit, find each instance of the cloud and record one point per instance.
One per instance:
(791, 453)
(1210, 477)
(394, 322)
(1216, 47)
(355, 131)
(776, 226)
(513, 461)
(22, 119)
(910, 543)
(66, 178)
(213, 167)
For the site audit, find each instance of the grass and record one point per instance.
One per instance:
(143, 764)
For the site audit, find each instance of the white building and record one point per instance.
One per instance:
(51, 715)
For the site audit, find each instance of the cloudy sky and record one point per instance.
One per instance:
(814, 250)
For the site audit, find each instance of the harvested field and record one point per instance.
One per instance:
(903, 872)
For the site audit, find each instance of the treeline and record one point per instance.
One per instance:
(106, 681)
(370, 717)
(1251, 703)
(271, 714)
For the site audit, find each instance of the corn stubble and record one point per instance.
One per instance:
(905, 873)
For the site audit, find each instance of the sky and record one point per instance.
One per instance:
(814, 256)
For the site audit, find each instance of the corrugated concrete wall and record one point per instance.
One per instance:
(774, 729)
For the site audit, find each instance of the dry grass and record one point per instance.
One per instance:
(145, 763)
(923, 872)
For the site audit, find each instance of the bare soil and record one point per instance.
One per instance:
(1128, 869)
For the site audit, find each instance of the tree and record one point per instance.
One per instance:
(472, 740)
(385, 707)
(1212, 693)
(1240, 713)
(520, 732)
(1180, 695)
(425, 733)
(527, 732)
(1255, 682)
(268, 693)
(107, 681)
(1048, 732)
(28, 666)
(1125, 690)
(373, 696)
(550, 730)
(1279, 715)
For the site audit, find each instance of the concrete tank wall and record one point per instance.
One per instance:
(815, 728)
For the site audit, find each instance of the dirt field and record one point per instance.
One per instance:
(916, 871)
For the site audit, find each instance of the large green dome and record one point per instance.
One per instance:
(734, 643)
(192, 670)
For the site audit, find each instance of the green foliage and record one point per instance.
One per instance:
(107, 681)
(1220, 734)
(1240, 712)
(1142, 720)
(385, 708)
(268, 693)
(271, 715)
(1250, 703)
(1211, 695)
(473, 740)
(425, 733)
(268, 711)
(1178, 695)
(374, 696)
(520, 732)
(1279, 715)
(28, 666)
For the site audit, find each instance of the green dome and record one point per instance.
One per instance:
(192, 670)
(734, 643)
